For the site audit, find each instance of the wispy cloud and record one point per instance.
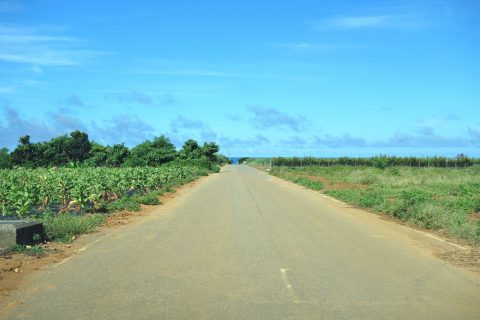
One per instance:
(424, 137)
(265, 118)
(132, 96)
(74, 101)
(7, 89)
(331, 141)
(256, 141)
(353, 22)
(204, 73)
(9, 6)
(41, 47)
(399, 21)
(18, 85)
(294, 142)
(428, 137)
(121, 128)
(302, 47)
(181, 122)
(474, 135)
(437, 120)
(234, 117)
(185, 128)
(71, 104)
(15, 126)
(37, 69)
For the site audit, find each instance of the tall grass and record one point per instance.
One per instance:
(62, 227)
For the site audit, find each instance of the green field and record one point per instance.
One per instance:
(71, 201)
(443, 199)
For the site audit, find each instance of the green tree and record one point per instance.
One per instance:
(209, 150)
(53, 153)
(78, 146)
(190, 150)
(97, 156)
(116, 155)
(24, 153)
(108, 156)
(5, 161)
(152, 153)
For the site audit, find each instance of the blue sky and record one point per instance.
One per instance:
(261, 78)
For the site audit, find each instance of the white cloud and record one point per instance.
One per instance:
(200, 73)
(304, 47)
(399, 21)
(358, 22)
(35, 46)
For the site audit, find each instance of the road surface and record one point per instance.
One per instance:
(244, 245)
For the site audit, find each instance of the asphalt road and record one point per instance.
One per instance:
(244, 245)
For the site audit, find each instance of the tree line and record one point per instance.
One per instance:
(76, 149)
(380, 161)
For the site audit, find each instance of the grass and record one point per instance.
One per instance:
(64, 227)
(128, 203)
(133, 202)
(441, 199)
(35, 250)
(311, 184)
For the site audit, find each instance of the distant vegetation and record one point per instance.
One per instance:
(76, 149)
(437, 198)
(381, 161)
(242, 160)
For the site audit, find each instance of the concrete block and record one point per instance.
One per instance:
(20, 232)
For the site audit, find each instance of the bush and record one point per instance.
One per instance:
(380, 162)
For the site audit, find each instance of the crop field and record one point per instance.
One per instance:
(30, 191)
(443, 199)
(69, 200)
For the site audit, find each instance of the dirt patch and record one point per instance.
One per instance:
(469, 258)
(16, 267)
(121, 218)
(474, 217)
